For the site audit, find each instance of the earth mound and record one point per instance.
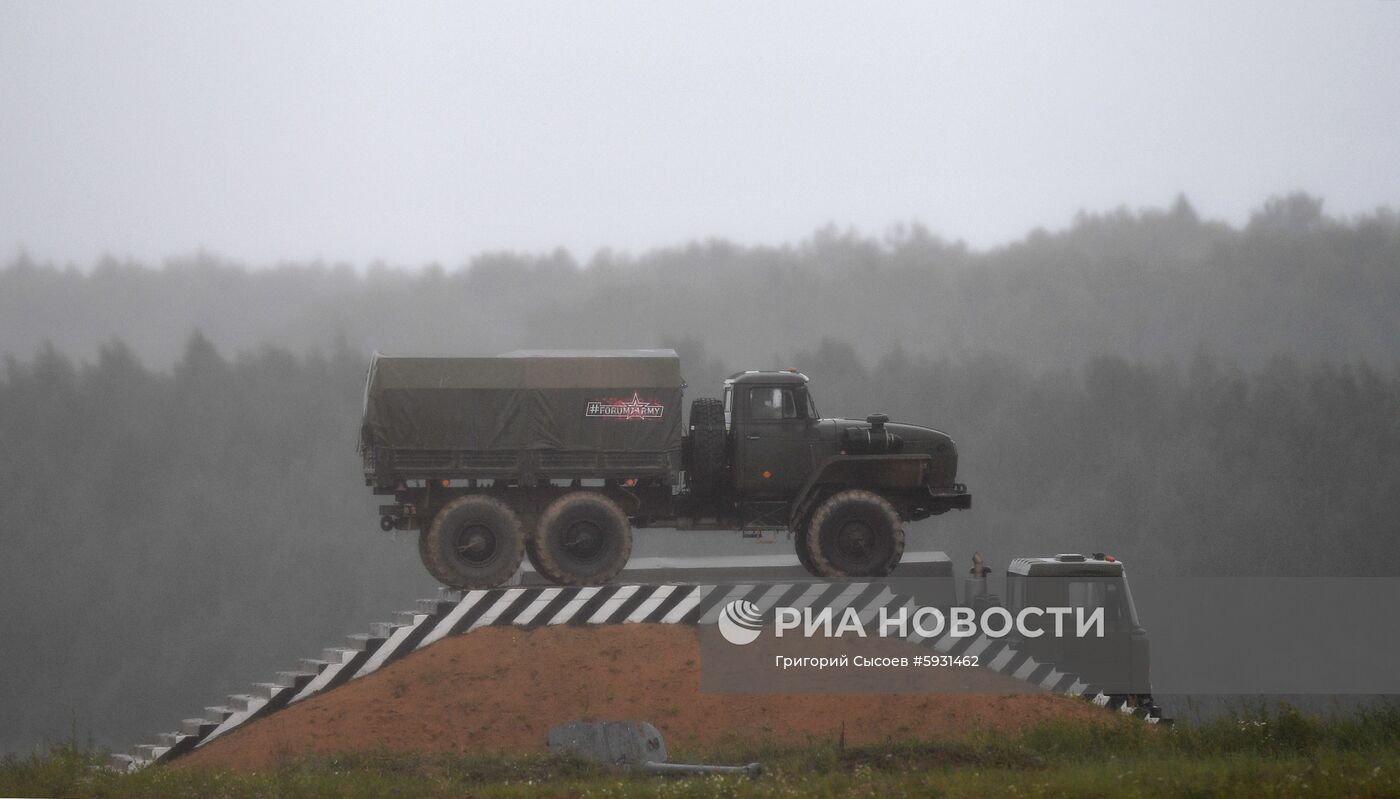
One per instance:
(500, 689)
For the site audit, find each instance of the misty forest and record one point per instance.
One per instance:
(183, 507)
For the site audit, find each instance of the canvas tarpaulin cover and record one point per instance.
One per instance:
(606, 401)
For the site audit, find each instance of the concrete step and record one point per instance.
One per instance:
(449, 594)
(122, 762)
(435, 607)
(198, 727)
(269, 690)
(295, 679)
(338, 655)
(171, 739)
(364, 642)
(406, 618)
(244, 702)
(150, 752)
(312, 665)
(219, 713)
(383, 629)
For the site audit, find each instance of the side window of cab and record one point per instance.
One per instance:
(771, 403)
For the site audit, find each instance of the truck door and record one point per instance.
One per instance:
(772, 450)
(1107, 661)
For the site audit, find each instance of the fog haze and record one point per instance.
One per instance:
(429, 132)
(1143, 263)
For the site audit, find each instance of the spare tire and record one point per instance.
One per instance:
(583, 538)
(855, 533)
(707, 445)
(475, 541)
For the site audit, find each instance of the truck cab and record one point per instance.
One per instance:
(781, 449)
(776, 433)
(1117, 663)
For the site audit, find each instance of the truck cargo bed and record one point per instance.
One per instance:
(611, 414)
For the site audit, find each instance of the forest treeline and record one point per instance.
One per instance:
(173, 533)
(182, 513)
(1146, 285)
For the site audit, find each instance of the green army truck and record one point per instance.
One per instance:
(559, 455)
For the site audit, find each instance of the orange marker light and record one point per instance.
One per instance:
(446, 483)
(630, 482)
(767, 474)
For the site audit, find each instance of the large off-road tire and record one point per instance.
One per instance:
(707, 444)
(855, 533)
(583, 538)
(474, 542)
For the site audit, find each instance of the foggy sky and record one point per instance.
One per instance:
(434, 131)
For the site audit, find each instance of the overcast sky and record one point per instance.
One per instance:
(428, 132)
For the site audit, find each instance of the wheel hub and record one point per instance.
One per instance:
(855, 540)
(583, 540)
(476, 544)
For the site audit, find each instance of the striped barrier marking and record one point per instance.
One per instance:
(387, 649)
(539, 604)
(573, 606)
(686, 604)
(650, 604)
(323, 679)
(613, 604)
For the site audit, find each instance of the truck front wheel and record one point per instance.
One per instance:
(804, 553)
(474, 542)
(583, 538)
(855, 533)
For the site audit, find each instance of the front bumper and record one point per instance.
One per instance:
(956, 498)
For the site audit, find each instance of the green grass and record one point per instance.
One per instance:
(1260, 752)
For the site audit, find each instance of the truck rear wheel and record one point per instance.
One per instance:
(855, 533)
(474, 542)
(707, 440)
(583, 538)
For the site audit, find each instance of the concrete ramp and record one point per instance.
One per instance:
(646, 601)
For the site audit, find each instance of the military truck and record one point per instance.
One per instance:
(559, 455)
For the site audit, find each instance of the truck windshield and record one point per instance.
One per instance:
(1091, 593)
(1111, 595)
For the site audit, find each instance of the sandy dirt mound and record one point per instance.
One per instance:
(500, 689)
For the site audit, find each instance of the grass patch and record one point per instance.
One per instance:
(1276, 751)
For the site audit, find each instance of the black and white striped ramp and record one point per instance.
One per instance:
(454, 613)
